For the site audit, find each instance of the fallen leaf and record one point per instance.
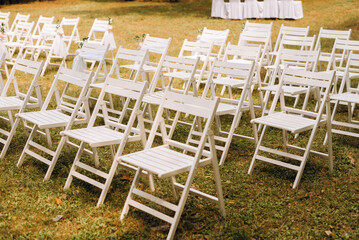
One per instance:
(161, 228)
(57, 218)
(240, 164)
(63, 196)
(126, 178)
(352, 160)
(329, 233)
(58, 201)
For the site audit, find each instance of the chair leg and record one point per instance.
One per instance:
(330, 140)
(73, 167)
(107, 183)
(55, 158)
(251, 167)
(126, 206)
(9, 138)
(22, 156)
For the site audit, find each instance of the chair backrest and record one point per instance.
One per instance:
(255, 39)
(290, 31)
(125, 56)
(192, 108)
(128, 95)
(71, 33)
(69, 89)
(258, 27)
(249, 53)
(40, 24)
(352, 68)
(4, 18)
(156, 45)
(296, 77)
(297, 42)
(218, 38)
(341, 49)
(168, 67)
(18, 85)
(99, 27)
(19, 18)
(22, 32)
(195, 48)
(325, 34)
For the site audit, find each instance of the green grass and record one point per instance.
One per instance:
(261, 206)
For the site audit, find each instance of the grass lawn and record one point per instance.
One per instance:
(261, 206)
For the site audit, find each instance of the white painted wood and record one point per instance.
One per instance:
(166, 162)
(297, 120)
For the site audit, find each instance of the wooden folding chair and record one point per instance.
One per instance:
(289, 31)
(349, 94)
(157, 47)
(119, 128)
(289, 58)
(238, 78)
(193, 50)
(4, 18)
(175, 157)
(18, 18)
(71, 32)
(18, 40)
(218, 38)
(17, 96)
(51, 44)
(296, 120)
(327, 37)
(69, 89)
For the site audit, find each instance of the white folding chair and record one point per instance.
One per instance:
(39, 25)
(175, 157)
(157, 47)
(71, 33)
(92, 57)
(69, 89)
(193, 50)
(348, 94)
(99, 33)
(18, 95)
(18, 40)
(4, 18)
(288, 31)
(237, 77)
(295, 120)
(325, 37)
(119, 128)
(245, 55)
(295, 59)
(18, 18)
(51, 44)
(218, 38)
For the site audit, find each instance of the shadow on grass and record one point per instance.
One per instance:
(196, 9)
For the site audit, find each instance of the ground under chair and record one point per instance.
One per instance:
(18, 96)
(69, 89)
(173, 158)
(296, 121)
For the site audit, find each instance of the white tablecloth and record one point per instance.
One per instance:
(234, 9)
